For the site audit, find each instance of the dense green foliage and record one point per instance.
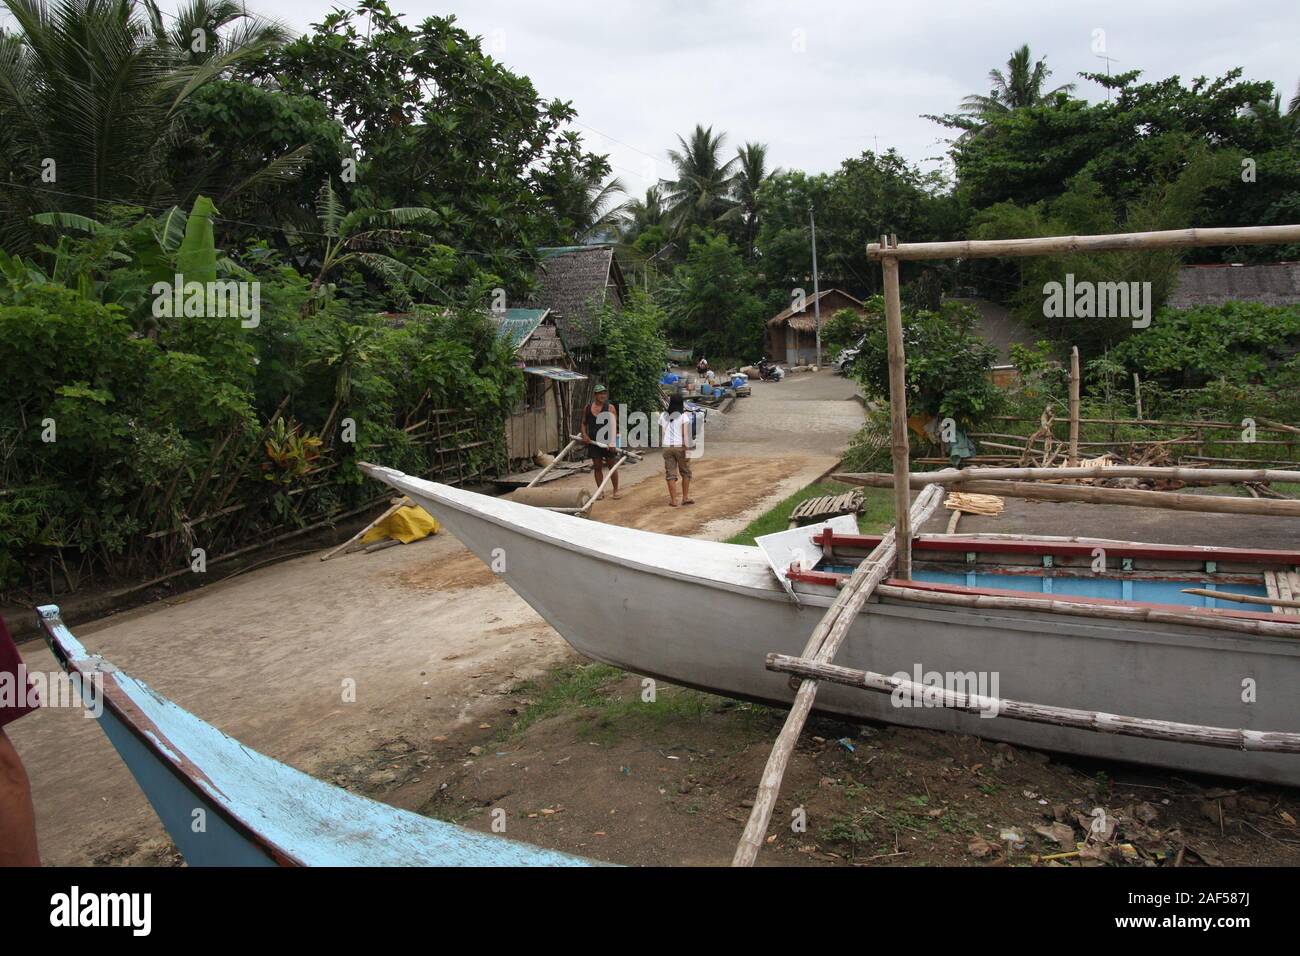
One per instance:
(947, 364)
(380, 182)
(629, 345)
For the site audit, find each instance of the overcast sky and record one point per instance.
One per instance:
(822, 80)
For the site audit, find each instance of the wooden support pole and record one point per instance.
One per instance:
(1169, 501)
(959, 476)
(1074, 405)
(1051, 245)
(1270, 741)
(1137, 393)
(898, 447)
(822, 645)
(398, 503)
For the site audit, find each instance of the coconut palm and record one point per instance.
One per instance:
(1020, 86)
(203, 29)
(642, 214)
(89, 104)
(701, 193)
(752, 173)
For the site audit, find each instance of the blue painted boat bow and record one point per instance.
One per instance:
(226, 805)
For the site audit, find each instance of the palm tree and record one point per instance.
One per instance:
(89, 104)
(701, 193)
(753, 172)
(364, 236)
(642, 214)
(597, 211)
(203, 29)
(1020, 86)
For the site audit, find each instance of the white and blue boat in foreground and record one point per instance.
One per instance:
(226, 805)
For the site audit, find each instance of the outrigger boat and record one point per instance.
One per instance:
(226, 805)
(1122, 639)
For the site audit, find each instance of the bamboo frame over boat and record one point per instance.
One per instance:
(1051, 245)
(890, 253)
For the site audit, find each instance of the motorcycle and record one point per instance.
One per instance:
(769, 372)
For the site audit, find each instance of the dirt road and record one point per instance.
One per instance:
(432, 640)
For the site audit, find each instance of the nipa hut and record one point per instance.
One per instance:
(791, 336)
(540, 423)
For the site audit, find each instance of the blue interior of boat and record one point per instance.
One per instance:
(1124, 589)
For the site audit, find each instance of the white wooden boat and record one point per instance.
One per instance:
(706, 614)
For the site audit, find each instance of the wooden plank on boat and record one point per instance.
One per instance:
(1286, 591)
(1271, 741)
(822, 645)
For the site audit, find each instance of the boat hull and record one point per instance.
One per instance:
(224, 804)
(628, 598)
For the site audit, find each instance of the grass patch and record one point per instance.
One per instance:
(571, 687)
(877, 511)
(589, 694)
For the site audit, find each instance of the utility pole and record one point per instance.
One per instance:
(817, 299)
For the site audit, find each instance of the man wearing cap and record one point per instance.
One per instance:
(17, 819)
(600, 434)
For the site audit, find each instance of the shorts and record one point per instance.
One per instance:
(601, 456)
(675, 460)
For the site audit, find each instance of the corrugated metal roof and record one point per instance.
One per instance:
(518, 324)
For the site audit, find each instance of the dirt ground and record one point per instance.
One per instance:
(433, 641)
(467, 702)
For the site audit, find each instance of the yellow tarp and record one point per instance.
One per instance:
(405, 525)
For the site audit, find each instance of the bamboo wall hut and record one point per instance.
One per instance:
(541, 421)
(791, 335)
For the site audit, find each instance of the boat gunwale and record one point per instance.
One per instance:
(1076, 548)
(147, 732)
(770, 590)
(831, 579)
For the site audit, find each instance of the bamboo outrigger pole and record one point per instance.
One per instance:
(1276, 741)
(960, 476)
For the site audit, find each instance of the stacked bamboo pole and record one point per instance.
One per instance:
(1208, 504)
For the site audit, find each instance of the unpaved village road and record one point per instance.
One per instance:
(430, 637)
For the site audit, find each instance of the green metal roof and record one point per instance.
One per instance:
(518, 324)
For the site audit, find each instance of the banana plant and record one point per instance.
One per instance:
(365, 237)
